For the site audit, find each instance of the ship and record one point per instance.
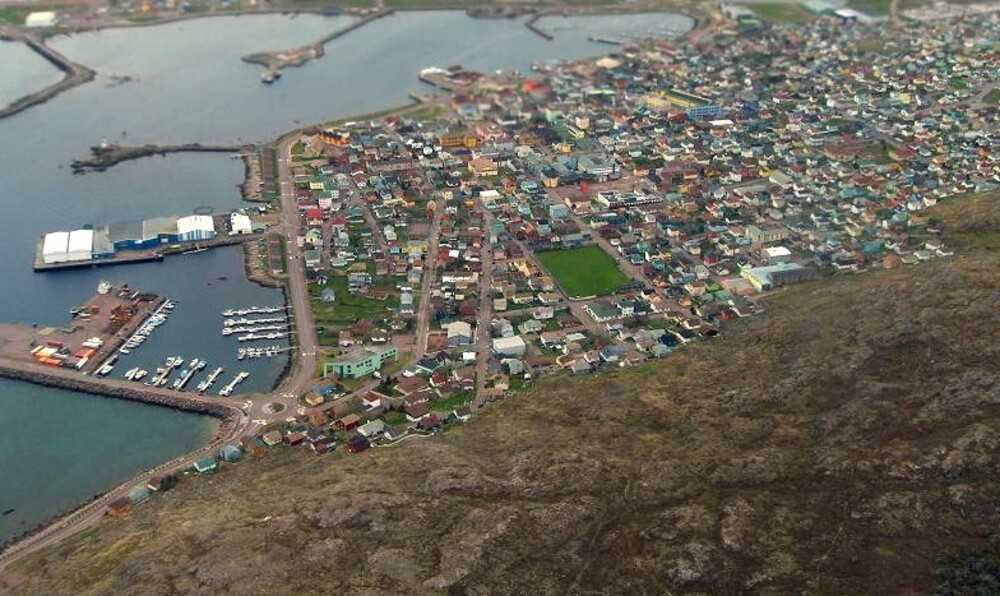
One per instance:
(270, 77)
(104, 287)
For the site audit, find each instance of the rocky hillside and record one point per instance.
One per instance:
(845, 443)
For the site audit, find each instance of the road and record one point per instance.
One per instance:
(485, 316)
(423, 325)
(304, 364)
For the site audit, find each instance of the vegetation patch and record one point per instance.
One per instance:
(584, 271)
(780, 12)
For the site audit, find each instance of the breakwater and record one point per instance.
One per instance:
(157, 396)
(73, 74)
(275, 61)
(530, 24)
(106, 156)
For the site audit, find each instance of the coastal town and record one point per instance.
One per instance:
(587, 215)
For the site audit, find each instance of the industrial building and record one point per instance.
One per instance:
(780, 274)
(195, 227)
(360, 362)
(239, 223)
(102, 243)
(67, 247)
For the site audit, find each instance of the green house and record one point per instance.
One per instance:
(360, 362)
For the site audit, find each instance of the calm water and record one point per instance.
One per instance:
(190, 85)
(58, 448)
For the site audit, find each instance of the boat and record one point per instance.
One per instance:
(130, 375)
(139, 375)
(270, 77)
(104, 287)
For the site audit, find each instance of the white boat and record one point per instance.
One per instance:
(139, 375)
(104, 287)
(130, 375)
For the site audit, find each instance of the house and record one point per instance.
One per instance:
(328, 295)
(359, 362)
(483, 166)
(357, 444)
(372, 429)
(271, 438)
(239, 224)
(205, 465)
(230, 453)
(509, 346)
(348, 422)
(459, 333)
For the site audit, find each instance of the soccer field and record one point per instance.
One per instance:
(584, 271)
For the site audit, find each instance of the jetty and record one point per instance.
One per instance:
(530, 24)
(72, 380)
(107, 155)
(275, 61)
(73, 74)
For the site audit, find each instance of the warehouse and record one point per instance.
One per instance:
(81, 245)
(54, 247)
(159, 230)
(239, 223)
(103, 249)
(195, 227)
(125, 235)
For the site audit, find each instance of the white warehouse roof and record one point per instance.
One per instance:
(773, 252)
(81, 245)
(55, 243)
(195, 223)
(81, 240)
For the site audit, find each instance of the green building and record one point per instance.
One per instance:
(360, 362)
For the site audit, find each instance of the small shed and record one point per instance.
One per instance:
(206, 465)
(138, 494)
(231, 453)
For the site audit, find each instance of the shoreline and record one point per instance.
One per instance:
(9, 551)
(229, 429)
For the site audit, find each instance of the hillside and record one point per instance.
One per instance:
(845, 442)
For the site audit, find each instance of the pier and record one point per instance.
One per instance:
(106, 156)
(73, 74)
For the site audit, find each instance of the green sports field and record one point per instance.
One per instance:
(584, 271)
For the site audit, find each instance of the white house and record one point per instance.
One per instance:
(239, 223)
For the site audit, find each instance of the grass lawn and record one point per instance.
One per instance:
(584, 271)
(779, 12)
(447, 404)
(874, 8)
(394, 417)
(347, 308)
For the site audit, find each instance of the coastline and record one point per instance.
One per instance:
(232, 423)
(235, 423)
